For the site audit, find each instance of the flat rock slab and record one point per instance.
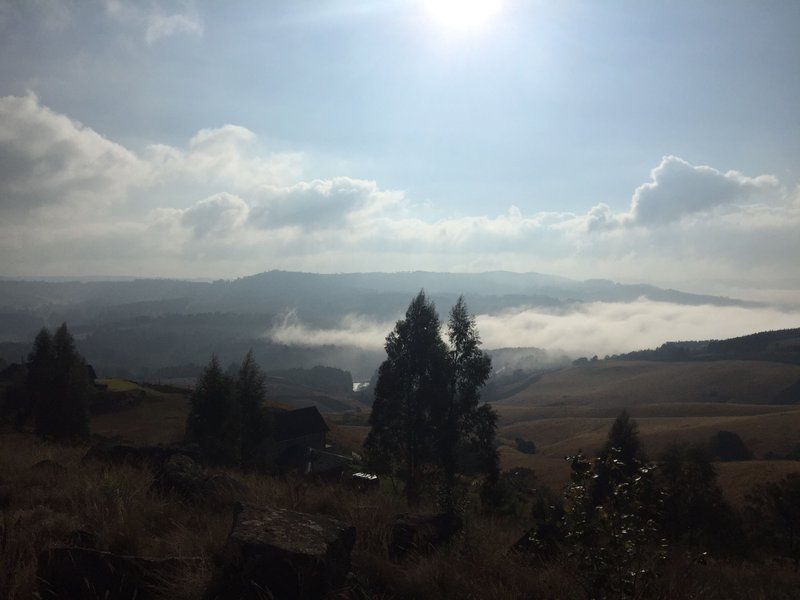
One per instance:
(290, 554)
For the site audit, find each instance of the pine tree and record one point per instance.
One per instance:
(214, 421)
(59, 384)
(256, 424)
(621, 456)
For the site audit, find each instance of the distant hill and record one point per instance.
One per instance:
(159, 328)
(780, 346)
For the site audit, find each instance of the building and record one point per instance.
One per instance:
(295, 432)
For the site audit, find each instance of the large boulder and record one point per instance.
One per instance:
(86, 574)
(282, 554)
(420, 534)
(182, 475)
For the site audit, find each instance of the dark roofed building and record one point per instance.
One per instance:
(296, 431)
(301, 423)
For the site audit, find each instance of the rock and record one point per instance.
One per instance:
(284, 554)
(421, 533)
(85, 574)
(182, 475)
(148, 455)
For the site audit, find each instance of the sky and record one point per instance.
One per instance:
(641, 141)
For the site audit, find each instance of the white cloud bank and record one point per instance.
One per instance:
(583, 329)
(74, 202)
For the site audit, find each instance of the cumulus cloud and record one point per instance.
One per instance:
(581, 329)
(679, 189)
(157, 21)
(219, 214)
(47, 158)
(321, 203)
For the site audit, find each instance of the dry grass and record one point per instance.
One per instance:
(631, 383)
(738, 478)
(119, 505)
(159, 418)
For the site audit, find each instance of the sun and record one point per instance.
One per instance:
(463, 14)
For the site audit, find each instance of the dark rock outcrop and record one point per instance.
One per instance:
(282, 554)
(421, 533)
(181, 474)
(85, 574)
(184, 476)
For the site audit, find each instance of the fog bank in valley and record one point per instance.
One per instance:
(581, 329)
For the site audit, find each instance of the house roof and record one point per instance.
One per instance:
(292, 424)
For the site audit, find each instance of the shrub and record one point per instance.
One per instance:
(727, 446)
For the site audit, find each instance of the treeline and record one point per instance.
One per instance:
(326, 379)
(53, 388)
(778, 346)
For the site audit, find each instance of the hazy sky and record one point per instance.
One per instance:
(648, 141)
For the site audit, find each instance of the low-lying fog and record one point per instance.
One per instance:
(583, 329)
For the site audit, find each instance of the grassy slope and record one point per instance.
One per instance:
(159, 418)
(688, 402)
(630, 383)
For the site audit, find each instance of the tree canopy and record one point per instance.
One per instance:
(59, 385)
(426, 408)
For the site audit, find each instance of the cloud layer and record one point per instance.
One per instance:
(75, 202)
(581, 330)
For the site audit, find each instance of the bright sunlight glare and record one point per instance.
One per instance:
(463, 14)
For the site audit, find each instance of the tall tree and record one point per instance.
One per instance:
(59, 384)
(621, 457)
(411, 381)
(256, 425)
(214, 421)
(459, 418)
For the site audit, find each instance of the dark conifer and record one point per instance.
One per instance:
(256, 425)
(59, 384)
(214, 421)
